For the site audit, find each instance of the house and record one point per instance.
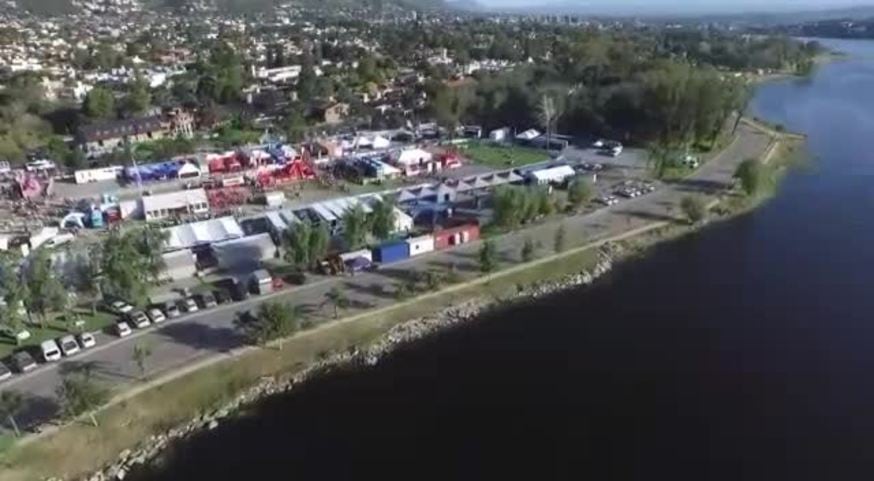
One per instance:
(331, 114)
(102, 138)
(170, 204)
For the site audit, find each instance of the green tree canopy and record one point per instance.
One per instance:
(99, 103)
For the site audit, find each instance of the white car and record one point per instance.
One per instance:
(156, 315)
(50, 351)
(598, 144)
(86, 340)
(139, 319)
(122, 329)
(188, 305)
(121, 307)
(69, 346)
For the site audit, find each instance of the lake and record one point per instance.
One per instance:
(740, 352)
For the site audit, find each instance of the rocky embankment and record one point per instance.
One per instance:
(398, 335)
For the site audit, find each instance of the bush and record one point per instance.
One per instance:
(694, 209)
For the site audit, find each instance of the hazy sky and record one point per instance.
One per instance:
(684, 6)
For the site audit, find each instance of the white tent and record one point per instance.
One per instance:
(413, 157)
(380, 142)
(552, 175)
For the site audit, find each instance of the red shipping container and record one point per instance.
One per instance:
(454, 236)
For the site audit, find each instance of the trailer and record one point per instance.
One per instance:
(420, 245)
(457, 235)
(391, 252)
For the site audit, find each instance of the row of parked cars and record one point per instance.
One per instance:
(157, 313)
(129, 318)
(49, 351)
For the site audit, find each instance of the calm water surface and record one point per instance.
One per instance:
(744, 352)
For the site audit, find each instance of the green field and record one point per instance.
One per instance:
(503, 157)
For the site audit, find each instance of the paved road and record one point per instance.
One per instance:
(209, 333)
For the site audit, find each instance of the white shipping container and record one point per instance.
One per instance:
(97, 175)
(421, 245)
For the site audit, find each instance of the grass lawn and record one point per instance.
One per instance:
(55, 329)
(79, 448)
(503, 157)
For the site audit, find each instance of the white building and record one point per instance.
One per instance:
(183, 202)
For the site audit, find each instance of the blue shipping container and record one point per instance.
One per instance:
(392, 252)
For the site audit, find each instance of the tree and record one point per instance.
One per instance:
(45, 290)
(295, 127)
(11, 403)
(141, 353)
(99, 103)
(273, 320)
(138, 98)
(354, 227)
(337, 298)
(319, 240)
(527, 252)
(295, 243)
(694, 208)
(751, 173)
(579, 192)
(382, 219)
(79, 393)
(560, 241)
(543, 202)
(488, 257)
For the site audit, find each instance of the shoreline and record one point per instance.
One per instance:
(378, 337)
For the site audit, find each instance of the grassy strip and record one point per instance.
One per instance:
(79, 448)
(503, 157)
(55, 327)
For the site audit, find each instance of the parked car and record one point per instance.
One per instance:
(205, 300)
(608, 200)
(5, 373)
(22, 361)
(171, 310)
(50, 351)
(120, 307)
(21, 334)
(69, 346)
(122, 329)
(188, 305)
(86, 340)
(221, 296)
(139, 319)
(156, 315)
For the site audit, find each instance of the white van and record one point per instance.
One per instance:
(50, 351)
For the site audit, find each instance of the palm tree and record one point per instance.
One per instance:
(337, 299)
(10, 403)
(548, 114)
(142, 351)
